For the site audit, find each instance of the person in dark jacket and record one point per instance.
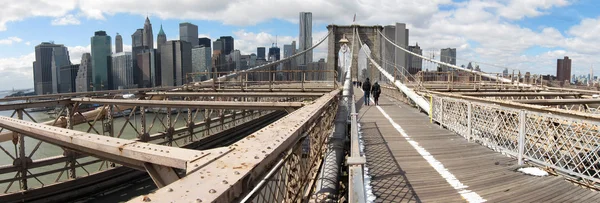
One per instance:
(376, 90)
(366, 86)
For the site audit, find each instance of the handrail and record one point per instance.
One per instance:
(356, 161)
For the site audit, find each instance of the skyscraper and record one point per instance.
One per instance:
(68, 74)
(401, 57)
(118, 43)
(260, 53)
(83, 81)
(122, 70)
(149, 63)
(563, 69)
(201, 58)
(60, 58)
(176, 62)
(137, 38)
(274, 53)
(228, 45)
(188, 32)
(415, 64)
(161, 39)
(305, 37)
(48, 56)
(448, 55)
(204, 41)
(148, 37)
(288, 51)
(236, 57)
(388, 50)
(101, 51)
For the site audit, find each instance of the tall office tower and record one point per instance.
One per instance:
(118, 43)
(137, 38)
(149, 63)
(122, 70)
(260, 53)
(415, 64)
(448, 55)
(288, 51)
(401, 39)
(224, 45)
(204, 41)
(274, 53)
(148, 37)
(68, 75)
(236, 57)
(188, 32)
(201, 62)
(305, 37)
(388, 50)
(176, 62)
(101, 51)
(252, 60)
(563, 69)
(48, 56)
(83, 82)
(161, 39)
(60, 58)
(504, 72)
(245, 62)
(218, 46)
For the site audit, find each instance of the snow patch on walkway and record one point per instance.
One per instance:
(534, 171)
(367, 178)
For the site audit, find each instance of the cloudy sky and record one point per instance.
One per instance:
(526, 35)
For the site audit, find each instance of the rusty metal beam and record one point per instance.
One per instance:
(557, 101)
(195, 104)
(237, 94)
(75, 94)
(126, 152)
(509, 94)
(244, 163)
(35, 104)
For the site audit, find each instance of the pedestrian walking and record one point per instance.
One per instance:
(366, 86)
(376, 90)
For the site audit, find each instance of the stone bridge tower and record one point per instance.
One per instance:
(369, 36)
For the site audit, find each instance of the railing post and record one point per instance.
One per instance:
(303, 79)
(522, 124)
(470, 121)
(431, 108)
(22, 156)
(441, 119)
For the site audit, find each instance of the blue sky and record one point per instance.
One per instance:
(526, 35)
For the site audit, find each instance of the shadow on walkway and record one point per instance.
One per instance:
(388, 180)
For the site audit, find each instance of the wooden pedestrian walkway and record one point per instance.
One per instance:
(413, 160)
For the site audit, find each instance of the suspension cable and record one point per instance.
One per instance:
(231, 75)
(453, 66)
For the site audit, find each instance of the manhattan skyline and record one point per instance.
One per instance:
(528, 37)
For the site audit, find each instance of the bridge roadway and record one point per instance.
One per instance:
(426, 163)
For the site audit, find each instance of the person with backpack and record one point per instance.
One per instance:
(376, 90)
(366, 86)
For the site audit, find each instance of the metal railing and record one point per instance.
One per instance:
(569, 146)
(356, 161)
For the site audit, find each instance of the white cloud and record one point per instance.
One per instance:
(10, 40)
(27, 43)
(66, 20)
(247, 42)
(518, 9)
(18, 10)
